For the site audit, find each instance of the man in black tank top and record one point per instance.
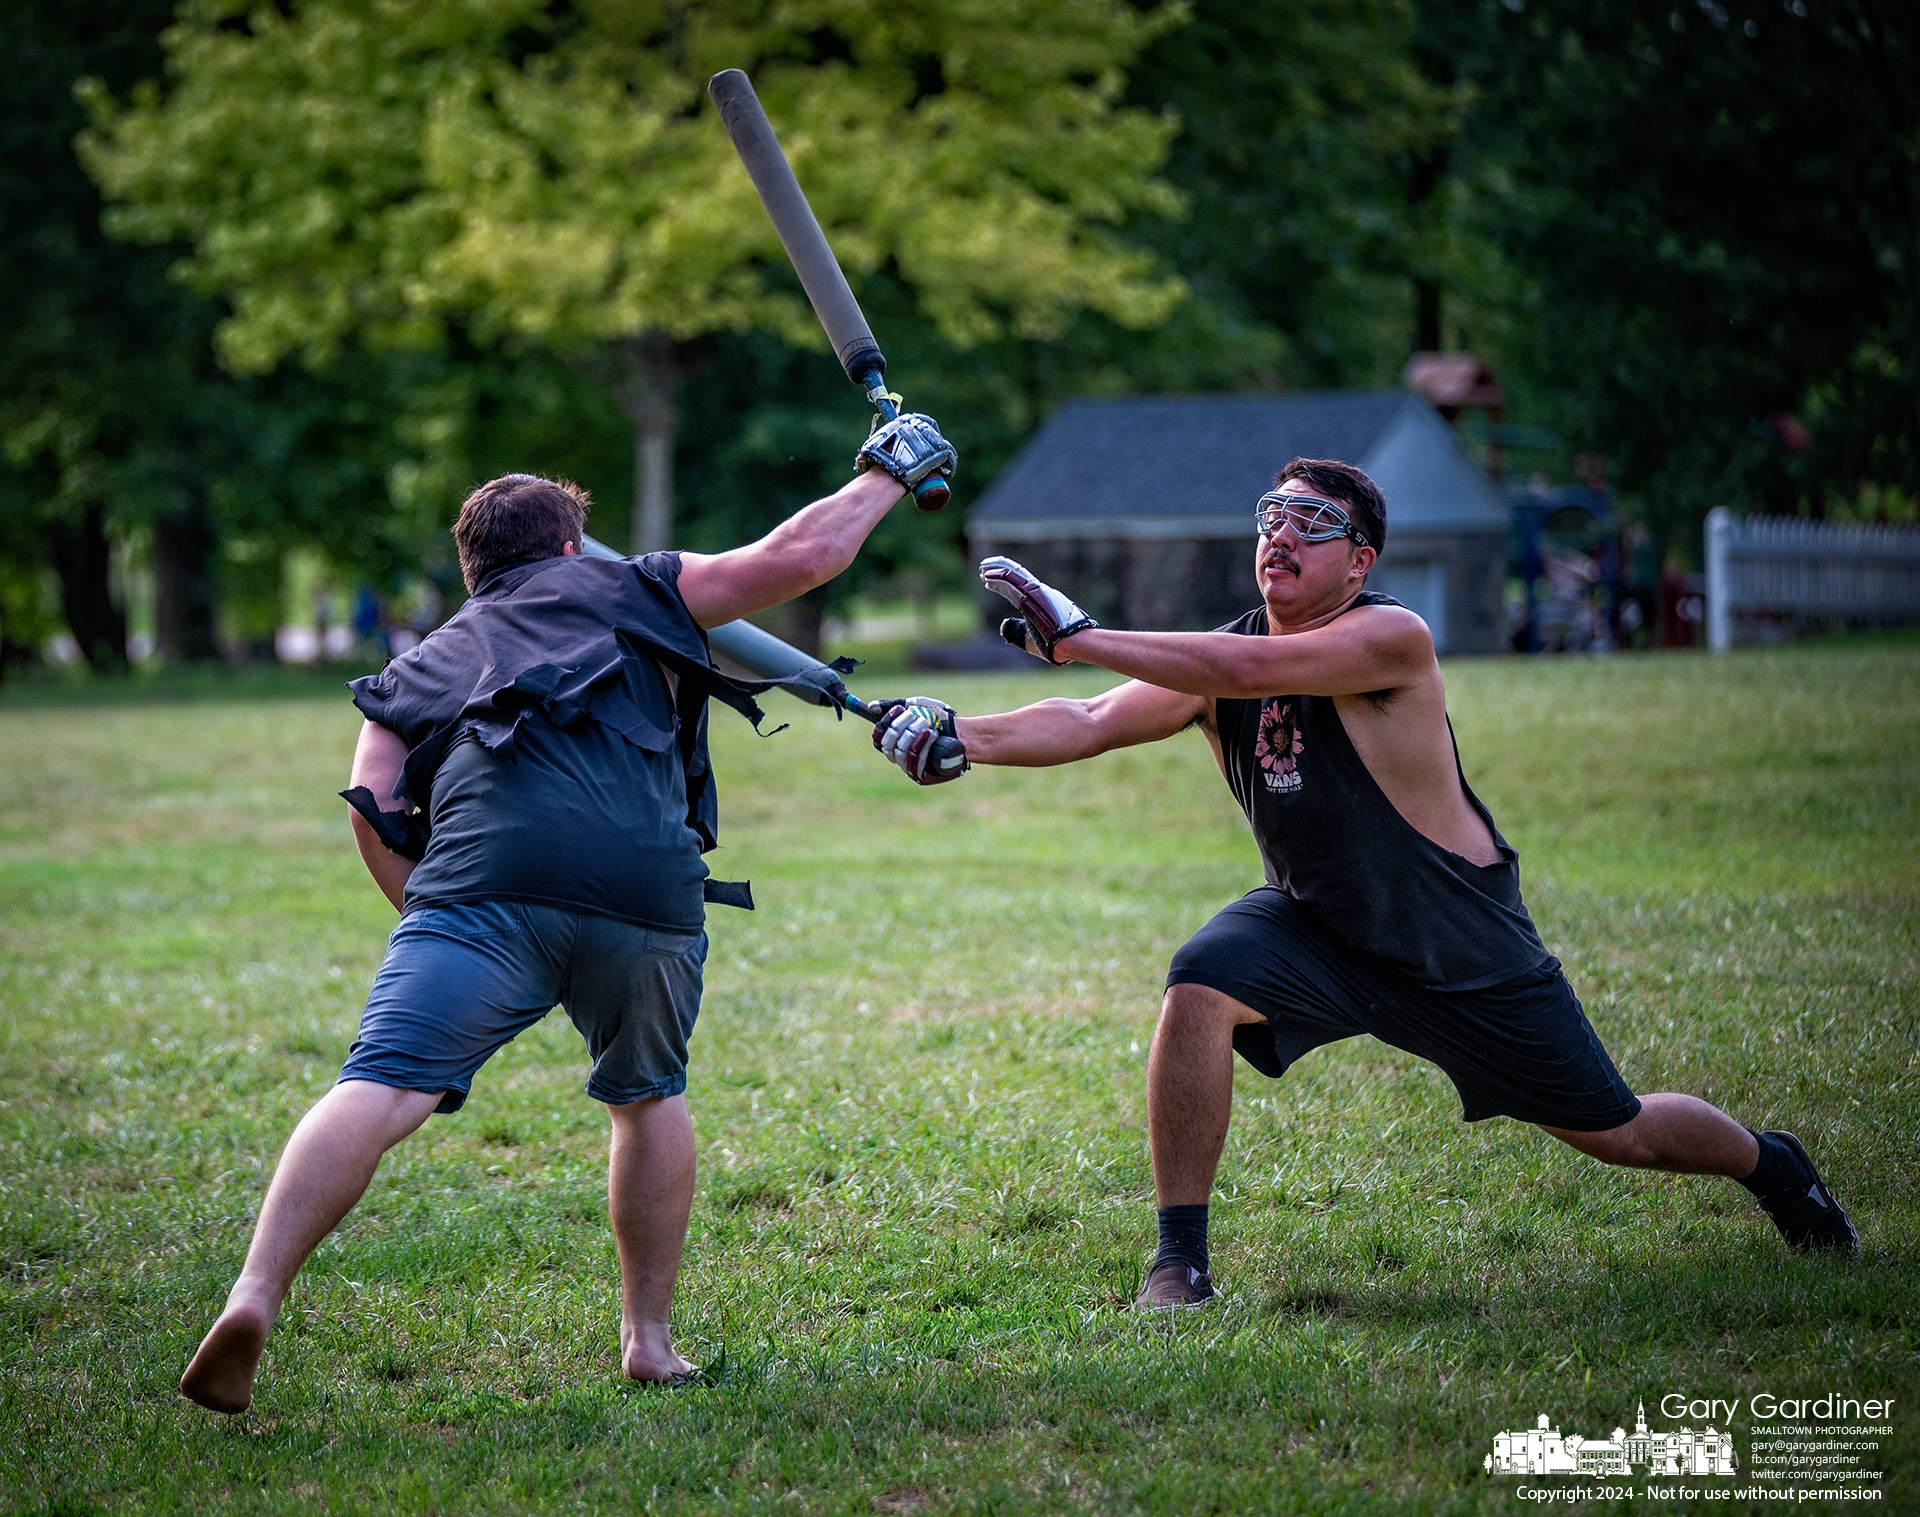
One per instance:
(1392, 904)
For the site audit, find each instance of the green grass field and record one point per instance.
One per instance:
(918, 1088)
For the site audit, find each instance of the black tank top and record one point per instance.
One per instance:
(1332, 840)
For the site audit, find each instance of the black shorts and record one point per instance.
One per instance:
(1522, 1048)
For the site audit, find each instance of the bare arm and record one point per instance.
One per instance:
(807, 549)
(377, 760)
(1061, 731)
(1371, 648)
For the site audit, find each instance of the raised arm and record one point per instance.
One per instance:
(807, 549)
(813, 545)
(377, 760)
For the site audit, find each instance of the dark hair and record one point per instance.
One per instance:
(1350, 487)
(517, 518)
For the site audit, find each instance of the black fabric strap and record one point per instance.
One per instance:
(401, 832)
(729, 893)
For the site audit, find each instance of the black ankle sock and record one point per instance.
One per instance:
(1779, 1168)
(1183, 1236)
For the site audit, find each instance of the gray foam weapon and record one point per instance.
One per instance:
(802, 676)
(820, 274)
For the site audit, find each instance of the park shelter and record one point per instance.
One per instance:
(1141, 507)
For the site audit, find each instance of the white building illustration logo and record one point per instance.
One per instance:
(1543, 1450)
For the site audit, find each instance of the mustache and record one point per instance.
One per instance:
(1285, 559)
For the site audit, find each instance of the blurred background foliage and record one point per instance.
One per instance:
(288, 279)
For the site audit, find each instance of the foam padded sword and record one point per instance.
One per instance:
(812, 259)
(801, 675)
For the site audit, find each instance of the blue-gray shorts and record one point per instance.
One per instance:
(1522, 1048)
(461, 982)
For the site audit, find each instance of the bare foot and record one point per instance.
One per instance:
(647, 1353)
(220, 1376)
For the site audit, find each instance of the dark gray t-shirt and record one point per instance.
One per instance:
(576, 817)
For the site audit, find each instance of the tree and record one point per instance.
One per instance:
(368, 170)
(66, 294)
(1307, 130)
(117, 423)
(1716, 209)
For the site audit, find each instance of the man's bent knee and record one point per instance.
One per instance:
(387, 1112)
(1193, 1006)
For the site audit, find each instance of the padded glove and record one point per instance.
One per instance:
(909, 448)
(1046, 616)
(918, 734)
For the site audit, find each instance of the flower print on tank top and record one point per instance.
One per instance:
(1278, 744)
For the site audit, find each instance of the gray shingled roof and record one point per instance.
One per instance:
(1200, 456)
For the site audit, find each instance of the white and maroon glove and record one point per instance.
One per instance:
(919, 735)
(1045, 616)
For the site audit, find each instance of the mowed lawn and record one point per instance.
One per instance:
(924, 1199)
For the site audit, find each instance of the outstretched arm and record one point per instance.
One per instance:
(1371, 648)
(377, 761)
(1354, 652)
(1060, 731)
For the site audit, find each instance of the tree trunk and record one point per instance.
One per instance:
(1426, 315)
(81, 558)
(185, 595)
(648, 370)
(1423, 188)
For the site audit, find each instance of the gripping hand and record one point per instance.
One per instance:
(910, 448)
(1046, 616)
(919, 735)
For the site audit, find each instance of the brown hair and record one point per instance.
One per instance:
(517, 518)
(1350, 487)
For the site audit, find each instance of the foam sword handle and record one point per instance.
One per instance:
(767, 656)
(807, 678)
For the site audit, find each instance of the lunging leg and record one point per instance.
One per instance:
(1688, 1136)
(1189, 1103)
(327, 1165)
(1190, 1090)
(1682, 1134)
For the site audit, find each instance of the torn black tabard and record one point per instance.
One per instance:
(553, 636)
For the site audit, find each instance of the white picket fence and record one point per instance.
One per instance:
(1786, 570)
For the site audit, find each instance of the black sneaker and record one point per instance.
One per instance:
(1174, 1285)
(1809, 1217)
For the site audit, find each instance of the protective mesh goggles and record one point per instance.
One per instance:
(1313, 519)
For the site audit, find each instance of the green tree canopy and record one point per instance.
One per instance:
(379, 171)
(1306, 128)
(115, 422)
(1713, 211)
